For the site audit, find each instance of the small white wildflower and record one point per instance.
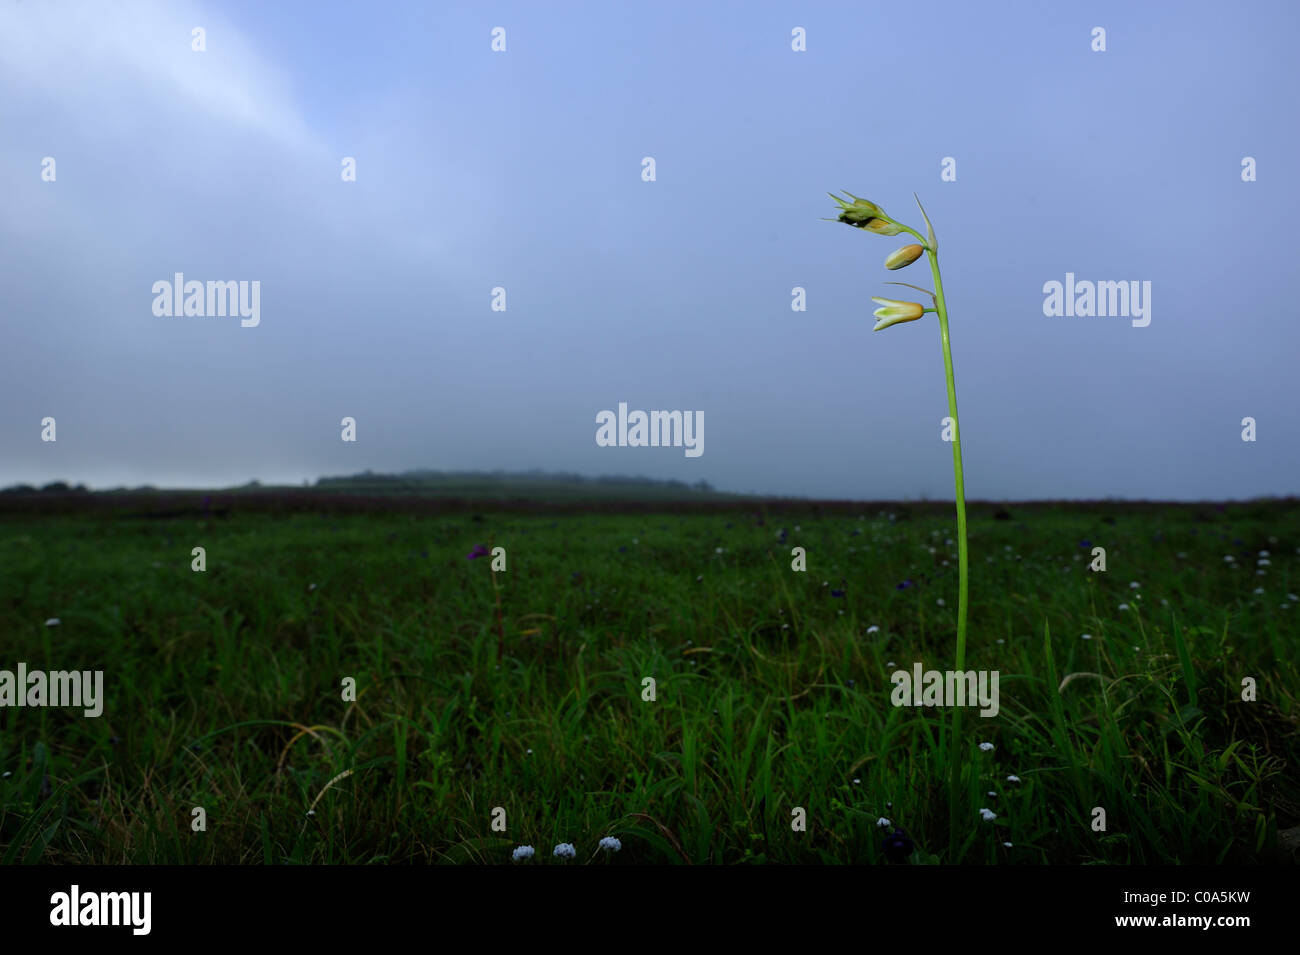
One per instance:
(565, 850)
(311, 812)
(1259, 590)
(1263, 553)
(1134, 584)
(939, 601)
(1013, 779)
(986, 747)
(1007, 844)
(1087, 636)
(530, 752)
(1292, 597)
(857, 781)
(52, 622)
(1123, 606)
(523, 852)
(988, 815)
(1228, 558)
(873, 629)
(1262, 562)
(883, 823)
(992, 794)
(610, 844)
(891, 664)
(717, 550)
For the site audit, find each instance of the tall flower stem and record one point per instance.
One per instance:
(955, 751)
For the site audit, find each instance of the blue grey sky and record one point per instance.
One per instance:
(522, 169)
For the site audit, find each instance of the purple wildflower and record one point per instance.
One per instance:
(478, 551)
(897, 846)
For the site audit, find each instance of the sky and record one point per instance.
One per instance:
(523, 169)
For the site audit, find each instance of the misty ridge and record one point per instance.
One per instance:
(431, 482)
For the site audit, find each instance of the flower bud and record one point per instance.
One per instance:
(903, 257)
(895, 312)
(865, 214)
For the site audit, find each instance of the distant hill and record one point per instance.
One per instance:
(532, 485)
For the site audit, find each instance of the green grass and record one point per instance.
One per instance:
(223, 689)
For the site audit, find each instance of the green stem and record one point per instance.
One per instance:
(955, 750)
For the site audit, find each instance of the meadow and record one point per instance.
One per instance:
(523, 690)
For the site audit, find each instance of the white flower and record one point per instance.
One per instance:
(1292, 597)
(939, 601)
(883, 823)
(610, 844)
(873, 629)
(1263, 553)
(988, 815)
(52, 622)
(1262, 562)
(1134, 584)
(891, 664)
(1013, 779)
(1228, 558)
(1123, 606)
(986, 747)
(1259, 590)
(1087, 636)
(993, 794)
(523, 852)
(565, 850)
(717, 550)
(1007, 844)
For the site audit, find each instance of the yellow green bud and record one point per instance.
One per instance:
(903, 257)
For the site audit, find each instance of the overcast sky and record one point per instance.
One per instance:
(523, 169)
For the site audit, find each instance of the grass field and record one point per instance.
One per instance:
(524, 689)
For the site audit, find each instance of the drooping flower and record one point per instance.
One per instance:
(610, 844)
(523, 852)
(895, 312)
(897, 846)
(565, 850)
